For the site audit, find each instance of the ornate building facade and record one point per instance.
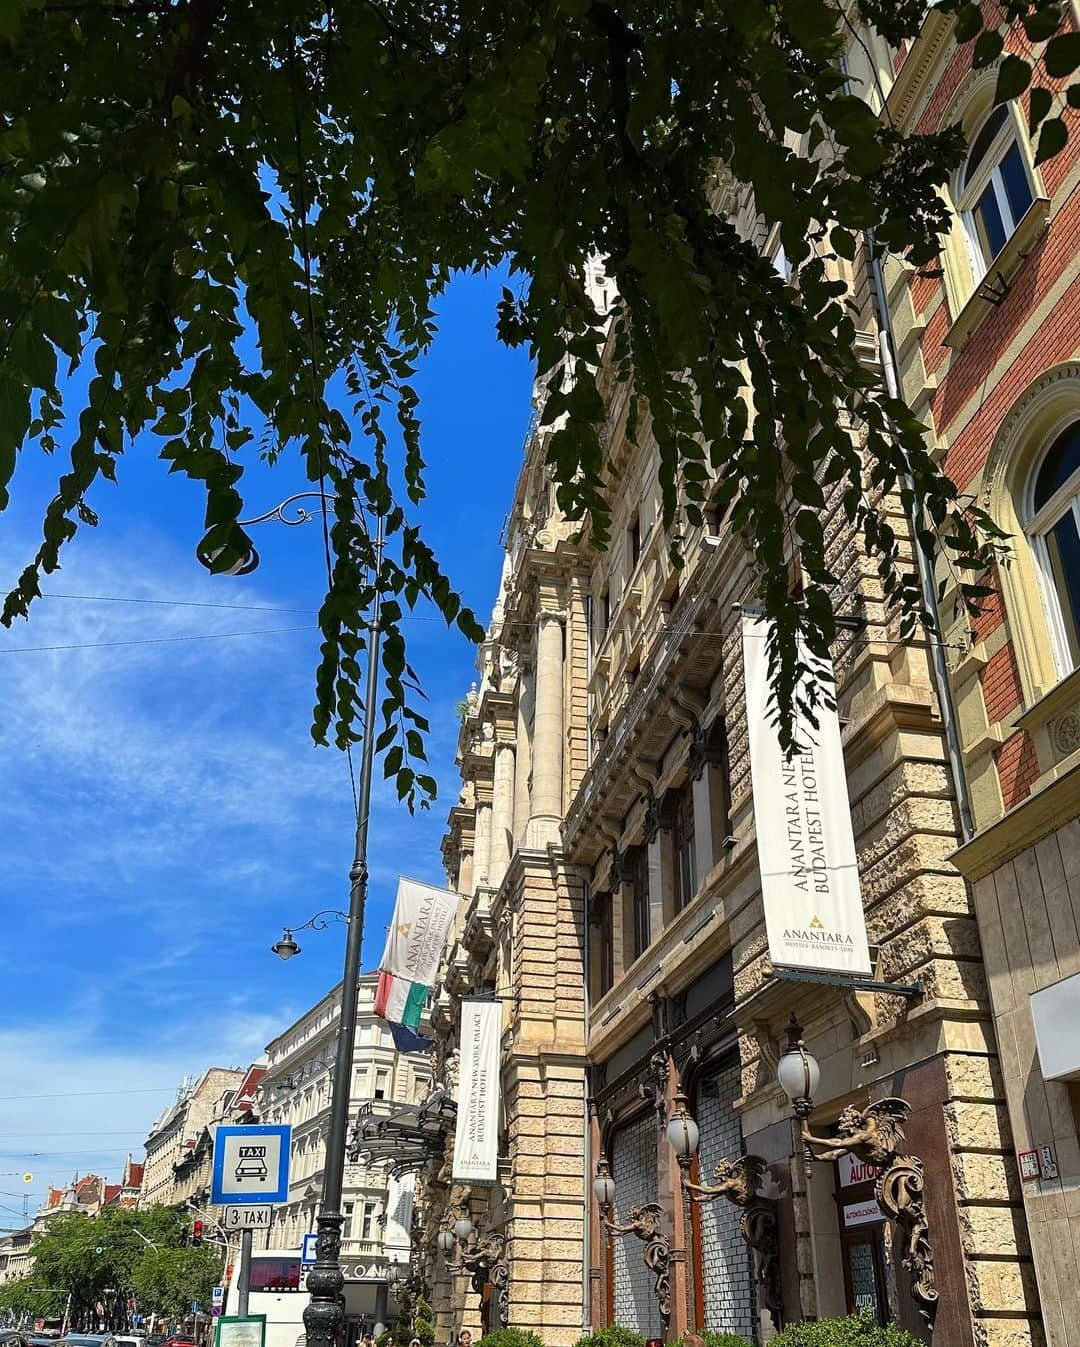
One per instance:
(606, 840)
(296, 1089)
(989, 356)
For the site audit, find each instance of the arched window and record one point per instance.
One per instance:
(1054, 529)
(995, 189)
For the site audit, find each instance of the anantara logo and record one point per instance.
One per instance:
(816, 933)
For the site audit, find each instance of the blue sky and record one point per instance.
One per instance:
(163, 809)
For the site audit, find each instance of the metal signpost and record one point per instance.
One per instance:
(251, 1172)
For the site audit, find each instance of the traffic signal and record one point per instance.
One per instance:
(196, 1233)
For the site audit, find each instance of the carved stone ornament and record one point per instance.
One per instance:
(652, 815)
(618, 863)
(875, 1135)
(1065, 734)
(738, 1181)
(646, 1223)
(484, 1260)
(706, 748)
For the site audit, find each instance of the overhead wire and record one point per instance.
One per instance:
(152, 640)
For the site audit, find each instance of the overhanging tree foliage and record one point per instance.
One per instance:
(174, 173)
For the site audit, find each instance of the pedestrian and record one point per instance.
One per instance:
(414, 1342)
(464, 1338)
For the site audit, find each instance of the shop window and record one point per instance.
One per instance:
(995, 189)
(639, 899)
(1053, 525)
(682, 845)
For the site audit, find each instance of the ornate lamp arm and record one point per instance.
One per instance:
(321, 920)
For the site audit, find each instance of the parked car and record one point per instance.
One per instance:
(179, 1340)
(12, 1337)
(86, 1340)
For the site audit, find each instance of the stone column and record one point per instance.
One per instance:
(465, 884)
(547, 748)
(502, 813)
(522, 757)
(482, 846)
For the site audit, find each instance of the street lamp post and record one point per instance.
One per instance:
(323, 1315)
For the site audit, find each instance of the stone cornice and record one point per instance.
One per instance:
(1023, 825)
(918, 66)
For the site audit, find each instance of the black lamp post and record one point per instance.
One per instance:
(324, 1313)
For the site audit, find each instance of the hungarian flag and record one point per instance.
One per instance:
(423, 916)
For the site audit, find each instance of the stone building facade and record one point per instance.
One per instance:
(606, 840)
(989, 356)
(167, 1171)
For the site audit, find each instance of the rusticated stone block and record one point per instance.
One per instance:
(977, 1126)
(974, 1077)
(987, 1178)
(1001, 1285)
(993, 1231)
(1009, 1333)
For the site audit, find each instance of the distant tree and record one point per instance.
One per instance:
(20, 1302)
(166, 1281)
(98, 1259)
(240, 217)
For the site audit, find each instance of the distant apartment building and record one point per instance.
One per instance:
(169, 1175)
(296, 1089)
(15, 1260)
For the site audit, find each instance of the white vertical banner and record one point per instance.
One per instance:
(806, 847)
(476, 1139)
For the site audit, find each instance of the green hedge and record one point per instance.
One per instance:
(611, 1337)
(712, 1339)
(510, 1337)
(858, 1331)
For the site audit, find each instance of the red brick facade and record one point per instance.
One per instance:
(980, 381)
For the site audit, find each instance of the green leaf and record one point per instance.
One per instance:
(1014, 76)
(1062, 55)
(1053, 138)
(1044, 22)
(968, 22)
(1038, 107)
(988, 47)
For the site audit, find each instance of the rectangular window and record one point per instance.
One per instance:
(633, 544)
(347, 1212)
(367, 1228)
(382, 1084)
(639, 899)
(605, 942)
(682, 838)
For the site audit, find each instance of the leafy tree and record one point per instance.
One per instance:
(20, 1301)
(100, 1259)
(166, 1281)
(176, 175)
